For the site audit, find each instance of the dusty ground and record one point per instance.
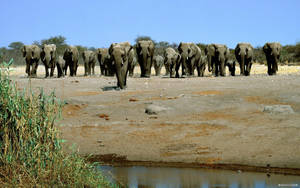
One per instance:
(209, 120)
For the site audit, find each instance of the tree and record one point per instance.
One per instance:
(160, 47)
(57, 40)
(16, 45)
(139, 38)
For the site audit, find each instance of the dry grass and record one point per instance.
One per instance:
(30, 146)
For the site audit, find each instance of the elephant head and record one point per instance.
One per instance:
(89, 59)
(31, 52)
(32, 56)
(60, 64)
(145, 52)
(132, 61)
(71, 56)
(184, 50)
(210, 53)
(48, 54)
(190, 55)
(104, 62)
(171, 61)
(48, 57)
(119, 53)
(221, 57)
(272, 52)
(244, 55)
(158, 62)
(231, 67)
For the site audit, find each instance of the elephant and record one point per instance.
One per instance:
(244, 55)
(119, 53)
(171, 61)
(48, 57)
(231, 67)
(158, 62)
(32, 54)
(106, 65)
(132, 61)
(71, 56)
(190, 56)
(210, 52)
(272, 51)
(201, 65)
(60, 65)
(145, 52)
(89, 58)
(221, 58)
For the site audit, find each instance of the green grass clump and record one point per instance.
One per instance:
(30, 148)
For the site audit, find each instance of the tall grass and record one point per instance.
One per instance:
(30, 146)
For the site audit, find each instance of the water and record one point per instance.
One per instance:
(139, 176)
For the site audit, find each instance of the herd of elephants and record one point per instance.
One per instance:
(121, 58)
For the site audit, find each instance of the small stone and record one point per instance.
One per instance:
(181, 95)
(279, 109)
(154, 109)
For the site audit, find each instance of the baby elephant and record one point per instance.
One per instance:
(231, 66)
(158, 62)
(89, 58)
(61, 66)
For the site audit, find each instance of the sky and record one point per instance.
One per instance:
(98, 23)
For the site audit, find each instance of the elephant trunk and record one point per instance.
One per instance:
(209, 63)
(169, 66)
(146, 63)
(242, 63)
(184, 58)
(119, 72)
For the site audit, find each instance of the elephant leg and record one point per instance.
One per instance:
(52, 71)
(71, 69)
(216, 70)
(275, 68)
(270, 71)
(222, 69)
(167, 67)
(47, 71)
(192, 67)
(247, 68)
(176, 70)
(184, 69)
(90, 69)
(34, 69)
(28, 69)
(202, 69)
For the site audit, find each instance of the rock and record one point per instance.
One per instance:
(154, 109)
(279, 109)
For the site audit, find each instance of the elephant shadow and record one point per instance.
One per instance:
(110, 88)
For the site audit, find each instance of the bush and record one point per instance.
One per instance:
(30, 148)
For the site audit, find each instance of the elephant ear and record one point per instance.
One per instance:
(24, 51)
(36, 52)
(266, 48)
(178, 57)
(151, 48)
(179, 48)
(227, 53)
(65, 54)
(110, 50)
(43, 55)
(250, 52)
(237, 52)
(83, 55)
